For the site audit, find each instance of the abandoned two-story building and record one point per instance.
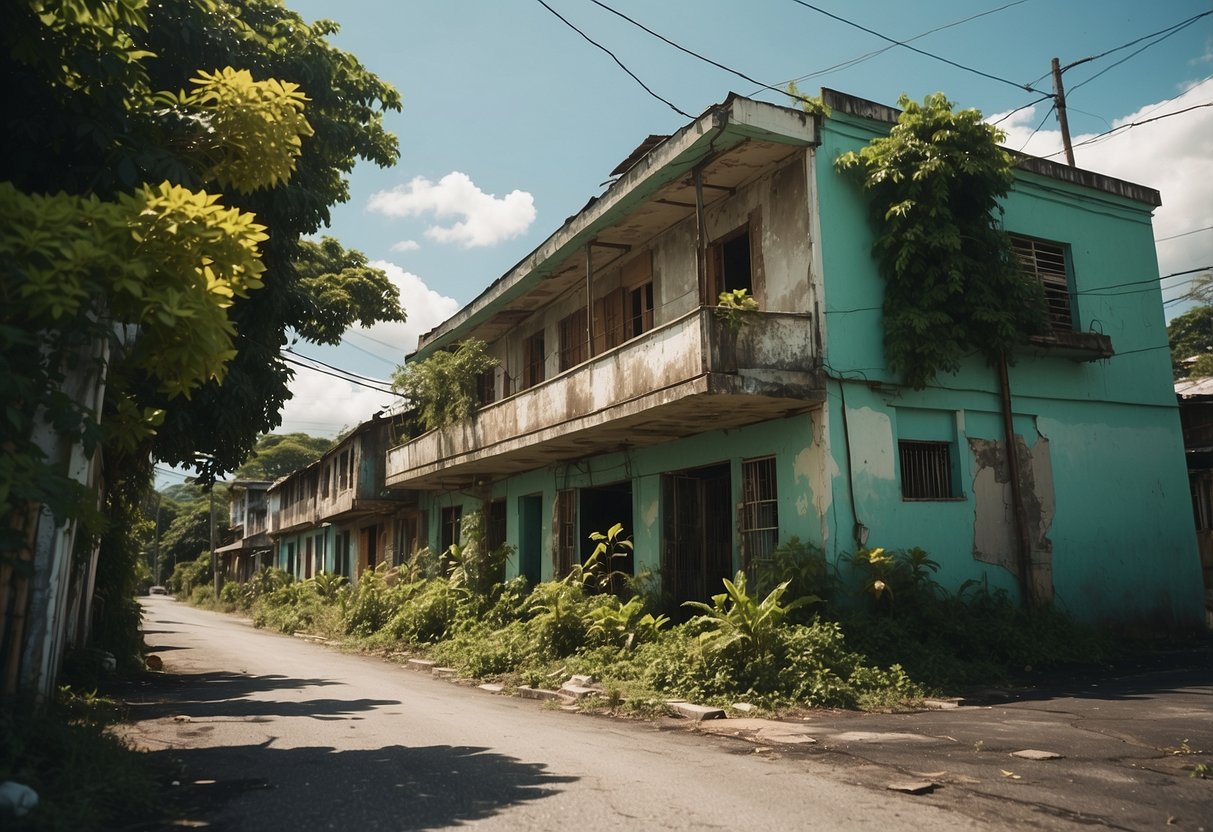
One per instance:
(622, 396)
(336, 516)
(248, 518)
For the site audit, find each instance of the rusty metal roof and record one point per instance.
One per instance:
(639, 153)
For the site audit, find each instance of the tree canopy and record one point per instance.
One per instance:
(1191, 337)
(279, 454)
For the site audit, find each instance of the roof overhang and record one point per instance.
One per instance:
(729, 141)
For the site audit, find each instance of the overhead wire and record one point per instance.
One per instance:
(1129, 126)
(1038, 126)
(1166, 33)
(847, 64)
(615, 58)
(915, 49)
(1183, 234)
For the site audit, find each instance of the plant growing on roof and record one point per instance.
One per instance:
(443, 386)
(953, 286)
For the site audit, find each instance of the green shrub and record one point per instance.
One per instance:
(371, 604)
(426, 612)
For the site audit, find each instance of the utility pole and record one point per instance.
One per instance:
(214, 557)
(1060, 102)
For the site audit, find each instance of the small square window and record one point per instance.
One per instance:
(926, 470)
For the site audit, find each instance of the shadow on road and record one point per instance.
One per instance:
(1141, 677)
(222, 694)
(265, 788)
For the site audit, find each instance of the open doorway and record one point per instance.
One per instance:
(600, 508)
(697, 546)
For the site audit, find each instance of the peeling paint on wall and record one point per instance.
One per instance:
(871, 443)
(994, 515)
(648, 514)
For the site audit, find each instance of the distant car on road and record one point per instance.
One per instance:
(157, 590)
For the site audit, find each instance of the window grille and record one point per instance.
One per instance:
(926, 470)
(573, 340)
(759, 509)
(566, 531)
(1047, 262)
(532, 372)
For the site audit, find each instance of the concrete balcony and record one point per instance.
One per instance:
(688, 376)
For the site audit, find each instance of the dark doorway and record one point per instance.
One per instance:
(601, 508)
(530, 537)
(697, 546)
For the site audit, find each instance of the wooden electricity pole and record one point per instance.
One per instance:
(1060, 102)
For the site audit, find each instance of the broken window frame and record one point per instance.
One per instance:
(451, 523)
(564, 531)
(1049, 263)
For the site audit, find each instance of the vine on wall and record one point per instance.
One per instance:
(952, 284)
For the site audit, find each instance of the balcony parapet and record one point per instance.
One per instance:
(691, 375)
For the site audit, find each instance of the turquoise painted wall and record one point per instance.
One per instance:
(789, 440)
(1123, 540)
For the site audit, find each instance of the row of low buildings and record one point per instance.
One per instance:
(620, 396)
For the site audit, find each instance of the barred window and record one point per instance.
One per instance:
(759, 509)
(926, 470)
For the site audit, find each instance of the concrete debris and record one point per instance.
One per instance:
(912, 786)
(743, 707)
(698, 713)
(182, 718)
(444, 672)
(422, 665)
(492, 687)
(1033, 754)
(528, 692)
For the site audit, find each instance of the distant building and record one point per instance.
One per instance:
(335, 515)
(1196, 415)
(248, 518)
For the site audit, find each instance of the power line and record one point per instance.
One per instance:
(1037, 130)
(1166, 33)
(1183, 234)
(290, 360)
(635, 77)
(693, 53)
(923, 52)
(869, 55)
(1107, 133)
(349, 373)
(1019, 109)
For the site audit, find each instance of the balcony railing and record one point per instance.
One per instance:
(688, 376)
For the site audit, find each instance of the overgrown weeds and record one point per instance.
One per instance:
(85, 777)
(799, 640)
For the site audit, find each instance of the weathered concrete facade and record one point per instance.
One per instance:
(621, 396)
(336, 516)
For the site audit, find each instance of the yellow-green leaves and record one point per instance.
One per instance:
(164, 259)
(254, 129)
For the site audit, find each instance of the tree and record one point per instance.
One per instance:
(279, 454)
(159, 167)
(442, 387)
(952, 284)
(1191, 337)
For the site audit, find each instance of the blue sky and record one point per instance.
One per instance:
(511, 121)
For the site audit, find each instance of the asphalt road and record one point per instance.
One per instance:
(271, 732)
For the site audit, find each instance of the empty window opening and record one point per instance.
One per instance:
(1047, 263)
(494, 525)
(448, 534)
(759, 510)
(640, 310)
(601, 508)
(609, 321)
(697, 529)
(530, 536)
(731, 264)
(926, 470)
(486, 387)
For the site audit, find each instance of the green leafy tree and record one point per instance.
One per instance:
(342, 290)
(952, 284)
(1191, 337)
(279, 454)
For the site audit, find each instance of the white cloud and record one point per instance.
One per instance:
(322, 405)
(486, 219)
(1173, 155)
(406, 245)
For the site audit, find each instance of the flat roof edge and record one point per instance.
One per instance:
(862, 108)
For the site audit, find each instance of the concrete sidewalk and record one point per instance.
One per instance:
(1119, 749)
